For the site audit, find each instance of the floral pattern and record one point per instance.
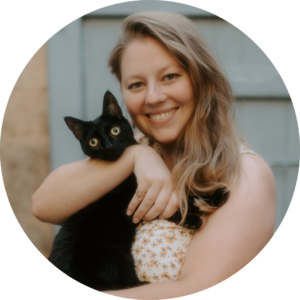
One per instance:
(159, 250)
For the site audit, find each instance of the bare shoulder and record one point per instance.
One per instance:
(252, 201)
(256, 182)
(253, 164)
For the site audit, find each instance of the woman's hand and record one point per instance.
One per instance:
(154, 178)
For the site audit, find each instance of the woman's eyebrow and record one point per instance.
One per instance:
(131, 77)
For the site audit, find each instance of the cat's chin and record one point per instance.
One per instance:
(109, 156)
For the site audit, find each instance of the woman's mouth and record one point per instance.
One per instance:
(162, 116)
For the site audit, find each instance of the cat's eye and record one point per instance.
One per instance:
(115, 131)
(93, 142)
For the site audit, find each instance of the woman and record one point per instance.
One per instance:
(178, 97)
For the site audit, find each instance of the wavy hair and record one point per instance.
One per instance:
(207, 154)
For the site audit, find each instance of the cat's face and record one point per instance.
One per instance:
(107, 136)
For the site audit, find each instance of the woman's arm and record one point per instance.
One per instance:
(73, 186)
(232, 237)
(161, 290)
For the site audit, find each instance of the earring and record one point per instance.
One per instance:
(133, 126)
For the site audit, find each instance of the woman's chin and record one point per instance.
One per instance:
(166, 137)
(166, 142)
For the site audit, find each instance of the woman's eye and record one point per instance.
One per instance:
(115, 131)
(171, 76)
(135, 85)
(93, 142)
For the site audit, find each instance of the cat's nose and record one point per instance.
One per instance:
(108, 145)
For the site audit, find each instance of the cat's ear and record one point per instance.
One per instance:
(111, 106)
(78, 127)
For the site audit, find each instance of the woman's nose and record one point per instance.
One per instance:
(155, 95)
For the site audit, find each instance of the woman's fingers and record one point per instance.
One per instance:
(135, 202)
(171, 207)
(154, 178)
(145, 203)
(160, 200)
(160, 203)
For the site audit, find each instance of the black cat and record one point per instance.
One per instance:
(94, 245)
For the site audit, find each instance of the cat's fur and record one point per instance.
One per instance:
(94, 245)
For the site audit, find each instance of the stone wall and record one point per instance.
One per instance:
(25, 147)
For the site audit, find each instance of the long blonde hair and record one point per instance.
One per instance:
(207, 155)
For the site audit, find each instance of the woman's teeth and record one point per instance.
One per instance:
(163, 115)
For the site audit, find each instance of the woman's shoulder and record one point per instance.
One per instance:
(246, 150)
(256, 188)
(252, 199)
(255, 170)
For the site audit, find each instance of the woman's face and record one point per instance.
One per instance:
(157, 91)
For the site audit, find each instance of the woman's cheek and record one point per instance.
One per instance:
(133, 106)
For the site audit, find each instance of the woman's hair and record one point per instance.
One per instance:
(207, 155)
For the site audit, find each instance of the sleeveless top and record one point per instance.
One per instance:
(160, 246)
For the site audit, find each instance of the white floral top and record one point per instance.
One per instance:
(159, 250)
(160, 246)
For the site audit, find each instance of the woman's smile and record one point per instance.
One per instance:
(162, 116)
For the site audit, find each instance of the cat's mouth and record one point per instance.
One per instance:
(163, 115)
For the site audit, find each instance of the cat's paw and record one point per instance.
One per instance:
(193, 222)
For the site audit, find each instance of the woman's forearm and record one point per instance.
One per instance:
(73, 186)
(162, 290)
